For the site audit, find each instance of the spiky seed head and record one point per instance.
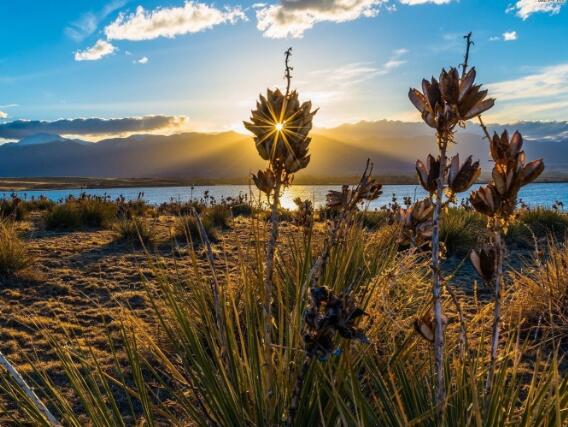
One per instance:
(281, 124)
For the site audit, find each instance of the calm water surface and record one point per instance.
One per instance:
(540, 194)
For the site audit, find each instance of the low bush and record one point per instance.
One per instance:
(13, 252)
(13, 208)
(40, 204)
(218, 216)
(81, 213)
(242, 209)
(134, 230)
(373, 220)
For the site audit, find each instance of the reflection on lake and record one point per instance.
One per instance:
(539, 194)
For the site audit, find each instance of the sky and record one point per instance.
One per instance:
(201, 65)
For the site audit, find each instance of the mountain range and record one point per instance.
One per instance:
(393, 146)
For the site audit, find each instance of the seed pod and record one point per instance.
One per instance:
(453, 99)
(281, 125)
(461, 177)
(531, 171)
(428, 173)
(484, 262)
(486, 200)
(264, 181)
(424, 326)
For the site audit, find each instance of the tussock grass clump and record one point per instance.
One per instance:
(13, 208)
(461, 229)
(539, 222)
(242, 209)
(539, 299)
(373, 220)
(134, 230)
(40, 204)
(81, 213)
(13, 252)
(219, 216)
(188, 229)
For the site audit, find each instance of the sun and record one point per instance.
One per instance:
(279, 126)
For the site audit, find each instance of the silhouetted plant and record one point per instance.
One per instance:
(498, 201)
(280, 124)
(444, 104)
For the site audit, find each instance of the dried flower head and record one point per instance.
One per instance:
(264, 181)
(451, 100)
(428, 173)
(329, 315)
(424, 326)
(509, 174)
(281, 126)
(416, 222)
(484, 262)
(348, 198)
(304, 216)
(461, 177)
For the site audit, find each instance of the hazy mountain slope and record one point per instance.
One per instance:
(393, 146)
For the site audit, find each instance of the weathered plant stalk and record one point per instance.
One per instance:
(498, 242)
(269, 271)
(27, 390)
(437, 283)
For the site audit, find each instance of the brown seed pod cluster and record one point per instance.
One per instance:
(329, 315)
(462, 176)
(281, 125)
(264, 181)
(451, 100)
(416, 222)
(499, 198)
(348, 198)
(304, 215)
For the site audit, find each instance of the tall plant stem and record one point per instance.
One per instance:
(498, 242)
(269, 269)
(28, 391)
(437, 284)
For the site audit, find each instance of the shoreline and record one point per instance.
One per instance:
(86, 183)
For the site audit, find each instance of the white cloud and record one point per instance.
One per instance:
(192, 17)
(100, 49)
(87, 23)
(3, 115)
(291, 18)
(415, 2)
(336, 84)
(509, 36)
(542, 95)
(525, 8)
(143, 60)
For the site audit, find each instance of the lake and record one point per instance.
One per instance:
(539, 194)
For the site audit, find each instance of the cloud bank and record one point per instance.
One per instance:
(90, 126)
(291, 18)
(99, 50)
(192, 17)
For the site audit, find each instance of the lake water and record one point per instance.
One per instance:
(539, 194)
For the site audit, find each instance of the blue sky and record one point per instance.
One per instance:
(207, 62)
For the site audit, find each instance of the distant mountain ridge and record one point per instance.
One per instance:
(338, 152)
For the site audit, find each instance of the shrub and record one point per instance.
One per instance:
(134, 230)
(40, 204)
(81, 213)
(13, 208)
(13, 253)
(218, 216)
(187, 228)
(65, 216)
(242, 209)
